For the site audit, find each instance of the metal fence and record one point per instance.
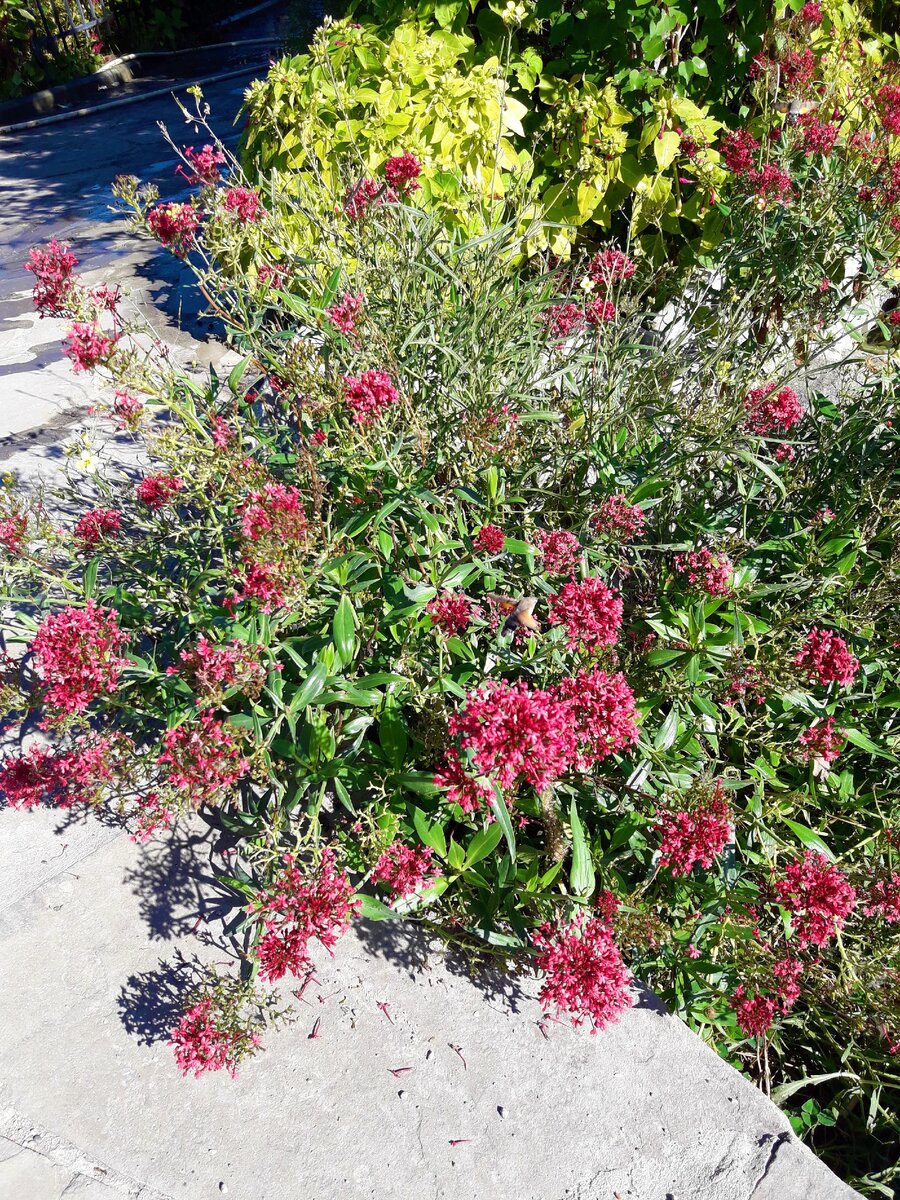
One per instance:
(59, 22)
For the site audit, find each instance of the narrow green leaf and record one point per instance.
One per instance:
(501, 812)
(482, 844)
(582, 874)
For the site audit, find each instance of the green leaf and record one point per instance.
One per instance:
(482, 844)
(90, 577)
(809, 837)
(392, 732)
(344, 629)
(582, 873)
(501, 812)
(431, 834)
(237, 371)
(373, 910)
(668, 731)
(786, 1090)
(309, 689)
(865, 743)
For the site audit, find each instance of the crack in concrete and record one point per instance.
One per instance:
(35, 1139)
(779, 1141)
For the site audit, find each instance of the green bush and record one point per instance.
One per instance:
(482, 597)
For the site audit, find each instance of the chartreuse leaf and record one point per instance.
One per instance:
(809, 837)
(432, 835)
(582, 874)
(373, 909)
(482, 844)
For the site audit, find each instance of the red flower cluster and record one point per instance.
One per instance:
(811, 13)
(611, 266)
(156, 491)
(888, 101)
(771, 184)
(205, 1039)
(617, 520)
(404, 870)
(12, 533)
(695, 836)
(451, 612)
(562, 320)
(746, 680)
(266, 583)
(59, 777)
(297, 908)
(470, 794)
(244, 204)
(369, 395)
(402, 172)
(174, 225)
(798, 68)
(345, 313)
(785, 975)
(204, 164)
(600, 311)
(739, 151)
(127, 409)
(819, 137)
(825, 658)
(203, 758)
(560, 550)
(214, 670)
(75, 652)
(53, 268)
(603, 714)
(490, 539)
(884, 899)
(710, 572)
(585, 975)
(590, 611)
(822, 740)
(95, 525)
(361, 197)
(817, 896)
(87, 345)
(275, 511)
(766, 412)
(755, 1014)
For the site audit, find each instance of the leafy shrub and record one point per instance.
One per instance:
(483, 598)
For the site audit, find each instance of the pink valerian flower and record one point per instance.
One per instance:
(490, 539)
(590, 611)
(345, 313)
(127, 409)
(402, 173)
(274, 511)
(600, 311)
(785, 976)
(152, 814)
(766, 412)
(296, 908)
(174, 225)
(771, 184)
(822, 517)
(697, 835)
(369, 395)
(823, 285)
(96, 525)
(60, 777)
(712, 573)
(811, 14)
(817, 896)
(222, 433)
(746, 682)
(319, 437)
(585, 976)
(266, 583)
(888, 102)
(470, 794)
(603, 714)
(212, 1036)
(12, 533)
(451, 612)
(617, 520)
(755, 1014)
(273, 276)
(204, 165)
(611, 266)
(404, 870)
(798, 68)
(244, 204)
(560, 551)
(562, 320)
(516, 733)
(883, 899)
(692, 951)
(739, 151)
(822, 740)
(76, 654)
(55, 285)
(819, 137)
(87, 345)
(825, 658)
(157, 491)
(362, 196)
(214, 670)
(203, 758)
(606, 905)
